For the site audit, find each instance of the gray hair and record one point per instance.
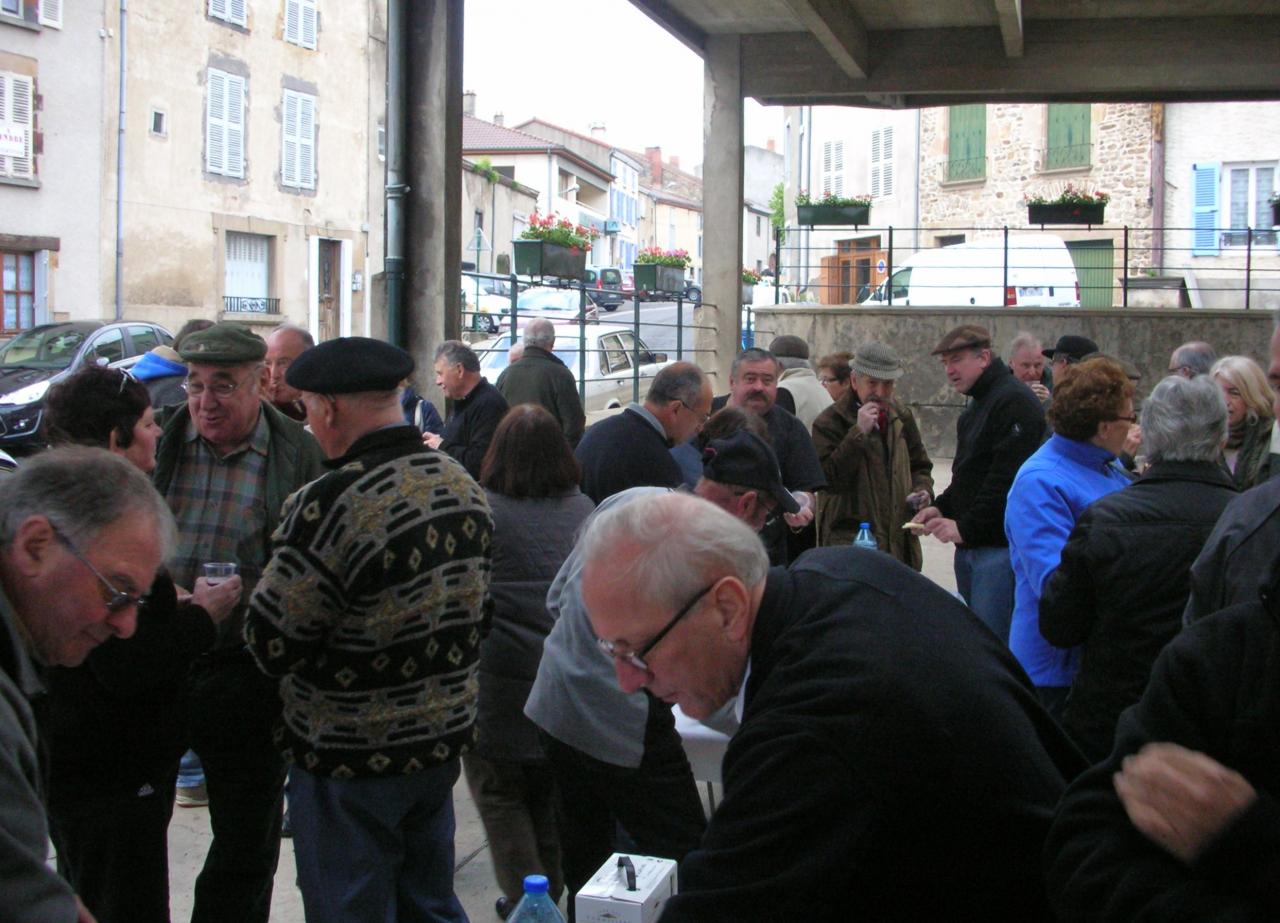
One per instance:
(1024, 340)
(541, 333)
(82, 491)
(1198, 356)
(1184, 419)
(679, 543)
(456, 352)
(302, 332)
(680, 381)
(755, 354)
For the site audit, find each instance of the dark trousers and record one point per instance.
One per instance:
(233, 708)
(115, 852)
(656, 804)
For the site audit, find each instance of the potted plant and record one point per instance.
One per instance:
(750, 278)
(1071, 206)
(1275, 209)
(832, 209)
(658, 270)
(553, 246)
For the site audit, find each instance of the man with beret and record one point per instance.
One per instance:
(808, 396)
(998, 430)
(225, 463)
(370, 612)
(876, 465)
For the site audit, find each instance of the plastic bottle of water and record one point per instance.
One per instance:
(864, 538)
(536, 906)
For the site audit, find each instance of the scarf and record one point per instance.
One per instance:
(1236, 434)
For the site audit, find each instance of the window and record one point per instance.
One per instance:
(51, 13)
(144, 340)
(17, 125)
(108, 347)
(757, 225)
(1246, 189)
(966, 142)
(159, 126)
(1068, 139)
(882, 162)
(11, 7)
(224, 124)
(382, 141)
(300, 22)
(231, 11)
(247, 280)
(833, 168)
(299, 149)
(18, 289)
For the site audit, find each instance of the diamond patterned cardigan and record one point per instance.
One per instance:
(372, 610)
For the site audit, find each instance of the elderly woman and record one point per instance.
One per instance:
(1125, 573)
(1091, 413)
(835, 374)
(1249, 419)
(115, 725)
(537, 509)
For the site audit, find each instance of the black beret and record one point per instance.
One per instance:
(223, 344)
(349, 365)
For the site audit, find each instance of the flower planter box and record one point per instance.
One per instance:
(748, 294)
(832, 214)
(654, 277)
(1054, 213)
(539, 258)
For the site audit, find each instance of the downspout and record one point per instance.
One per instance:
(124, 9)
(396, 189)
(916, 217)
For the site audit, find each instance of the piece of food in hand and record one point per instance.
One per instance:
(914, 526)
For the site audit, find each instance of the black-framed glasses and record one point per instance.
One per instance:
(1131, 418)
(116, 600)
(636, 658)
(705, 417)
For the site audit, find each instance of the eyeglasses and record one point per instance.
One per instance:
(219, 389)
(828, 381)
(1132, 418)
(636, 658)
(125, 376)
(705, 417)
(116, 600)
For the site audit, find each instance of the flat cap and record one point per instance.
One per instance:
(1073, 347)
(223, 344)
(876, 360)
(745, 460)
(349, 365)
(967, 336)
(789, 347)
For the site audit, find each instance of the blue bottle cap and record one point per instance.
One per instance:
(535, 884)
(866, 525)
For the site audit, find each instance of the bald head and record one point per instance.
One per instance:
(284, 345)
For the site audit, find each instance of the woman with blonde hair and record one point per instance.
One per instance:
(1249, 417)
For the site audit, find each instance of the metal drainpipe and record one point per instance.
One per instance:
(124, 9)
(395, 189)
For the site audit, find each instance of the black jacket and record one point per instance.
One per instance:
(1122, 585)
(470, 429)
(540, 377)
(1239, 558)
(623, 451)
(995, 434)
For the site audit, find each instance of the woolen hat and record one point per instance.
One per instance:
(967, 336)
(789, 347)
(223, 344)
(1072, 346)
(876, 360)
(745, 460)
(350, 365)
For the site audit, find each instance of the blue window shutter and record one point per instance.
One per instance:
(1204, 209)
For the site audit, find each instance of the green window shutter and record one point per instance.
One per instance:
(1068, 136)
(967, 142)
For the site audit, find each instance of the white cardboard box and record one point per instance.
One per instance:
(605, 898)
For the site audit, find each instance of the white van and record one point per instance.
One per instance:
(1041, 275)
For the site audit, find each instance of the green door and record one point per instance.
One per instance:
(1095, 271)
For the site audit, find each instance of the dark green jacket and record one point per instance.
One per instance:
(539, 377)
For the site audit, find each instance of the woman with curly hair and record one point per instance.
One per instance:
(1091, 413)
(1249, 419)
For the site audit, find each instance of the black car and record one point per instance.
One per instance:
(604, 286)
(38, 358)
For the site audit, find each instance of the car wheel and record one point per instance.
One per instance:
(695, 295)
(611, 307)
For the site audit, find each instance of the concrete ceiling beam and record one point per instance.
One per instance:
(839, 30)
(691, 35)
(1009, 13)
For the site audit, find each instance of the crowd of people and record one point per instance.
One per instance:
(270, 561)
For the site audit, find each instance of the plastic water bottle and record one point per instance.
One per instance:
(864, 538)
(536, 906)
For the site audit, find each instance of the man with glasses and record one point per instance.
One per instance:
(226, 462)
(1193, 358)
(1069, 350)
(82, 534)
(891, 762)
(616, 756)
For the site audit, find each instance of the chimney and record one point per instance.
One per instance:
(498, 119)
(469, 103)
(674, 160)
(597, 129)
(770, 146)
(654, 156)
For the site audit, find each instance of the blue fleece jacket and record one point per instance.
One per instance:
(153, 366)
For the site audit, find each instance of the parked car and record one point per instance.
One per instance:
(38, 358)
(558, 304)
(604, 286)
(610, 350)
(483, 311)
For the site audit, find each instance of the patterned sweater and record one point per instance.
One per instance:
(371, 610)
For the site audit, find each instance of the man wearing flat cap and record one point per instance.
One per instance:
(808, 395)
(998, 430)
(1069, 350)
(875, 461)
(225, 463)
(371, 614)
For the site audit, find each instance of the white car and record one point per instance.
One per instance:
(557, 304)
(484, 303)
(610, 350)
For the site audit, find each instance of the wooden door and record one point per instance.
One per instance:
(327, 294)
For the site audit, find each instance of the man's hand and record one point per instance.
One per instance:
(1133, 441)
(869, 417)
(1039, 390)
(1180, 799)
(431, 440)
(944, 530)
(218, 599)
(805, 516)
(918, 499)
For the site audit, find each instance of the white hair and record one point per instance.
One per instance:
(540, 332)
(1184, 419)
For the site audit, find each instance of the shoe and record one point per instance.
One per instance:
(192, 796)
(286, 828)
(504, 907)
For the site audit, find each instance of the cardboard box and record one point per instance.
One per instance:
(605, 898)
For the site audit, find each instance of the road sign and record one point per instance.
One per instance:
(880, 266)
(479, 241)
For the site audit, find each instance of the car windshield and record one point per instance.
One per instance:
(43, 348)
(548, 301)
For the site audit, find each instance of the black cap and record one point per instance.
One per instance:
(349, 365)
(223, 344)
(1072, 346)
(745, 460)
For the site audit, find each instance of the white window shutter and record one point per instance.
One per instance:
(307, 142)
(289, 144)
(875, 163)
(886, 162)
(235, 126)
(218, 8)
(215, 141)
(237, 13)
(838, 159)
(21, 110)
(51, 13)
(309, 24)
(292, 21)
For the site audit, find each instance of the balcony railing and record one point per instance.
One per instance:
(238, 304)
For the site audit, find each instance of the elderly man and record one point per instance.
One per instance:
(891, 763)
(82, 534)
(539, 377)
(284, 345)
(226, 462)
(808, 396)
(876, 465)
(478, 408)
(997, 431)
(631, 449)
(371, 612)
(1069, 350)
(616, 755)
(1027, 362)
(1192, 358)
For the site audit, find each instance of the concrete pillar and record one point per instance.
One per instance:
(433, 244)
(722, 172)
